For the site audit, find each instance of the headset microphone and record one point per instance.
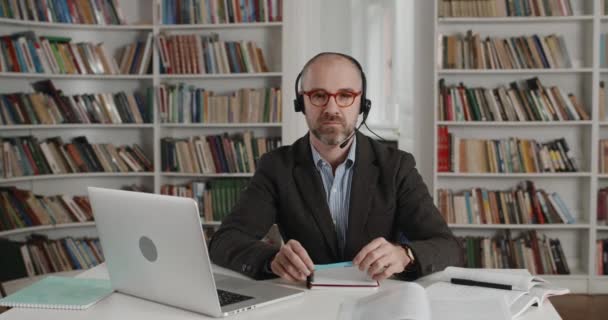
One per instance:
(345, 142)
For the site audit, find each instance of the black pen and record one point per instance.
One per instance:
(467, 282)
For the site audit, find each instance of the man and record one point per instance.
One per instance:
(335, 194)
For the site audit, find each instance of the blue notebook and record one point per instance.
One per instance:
(60, 293)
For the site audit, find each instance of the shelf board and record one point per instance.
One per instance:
(76, 126)
(78, 175)
(513, 123)
(602, 228)
(602, 176)
(75, 26)
(463, 72)
(246, 25)
(575, 226)
(47, 227)
(575, 275)
(221, 76)
(207, 175)
(473, 20)
(31, 75)
(212, 223)
(221, 125)
(514, 175)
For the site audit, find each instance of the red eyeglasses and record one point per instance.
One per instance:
(320, 98)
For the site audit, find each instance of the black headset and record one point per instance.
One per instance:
(366, 104)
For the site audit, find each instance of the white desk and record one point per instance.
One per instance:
(315, 304)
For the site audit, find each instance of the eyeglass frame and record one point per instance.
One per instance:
(334, 95)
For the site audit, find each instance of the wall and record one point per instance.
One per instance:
(313, 26)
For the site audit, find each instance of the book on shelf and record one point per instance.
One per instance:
(528, 250)
(215, 198)
(602, 102)
(602, 206)
(530, 101)
(218, 12)
(601, 257)
(207, 54)
(184, 103)
(504, 8)
(470, 51)
(603, 165)
(102, 12)
(237, 153)
(49, 106)
(507, 155)
(27, 156)
(24, 52)
(41, 255)
(524, 204)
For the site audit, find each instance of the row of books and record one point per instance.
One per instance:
(26, 53)
(48, 106)
(602, 257)
(509, 155)
(21, 208)
(525, 52)
(505, 8)
(186, 104)
(42, 255)
(238, 153)
(221, 11)
(64, 11)
(206, 54)
(521, 205)
(215, 198)
(602, 102)
(26, 156)
(538, 254)
(602, 206)
(513, 103)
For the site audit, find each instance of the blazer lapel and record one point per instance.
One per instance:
(363, 186)
(311, 189)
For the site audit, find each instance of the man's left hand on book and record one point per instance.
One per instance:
(381, 259)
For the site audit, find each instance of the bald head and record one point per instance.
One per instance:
(327, 64)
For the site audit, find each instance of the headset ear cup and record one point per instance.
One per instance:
(298, 103)
(366, 106)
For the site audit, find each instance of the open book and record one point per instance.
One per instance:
(445, 300)
(525, 291)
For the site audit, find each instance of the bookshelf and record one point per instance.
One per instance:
(581, 33)
(143, 16)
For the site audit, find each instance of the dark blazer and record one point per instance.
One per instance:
(388, 198)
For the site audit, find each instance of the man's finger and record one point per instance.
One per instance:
(295, 261)
(299, 249)
(291, 270)
(379, 265)
(278, 269)
(367, 249)
(386, 273)
(372, 256)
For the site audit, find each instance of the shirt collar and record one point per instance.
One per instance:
(350, 158)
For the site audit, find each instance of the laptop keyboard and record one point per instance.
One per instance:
(227, 298)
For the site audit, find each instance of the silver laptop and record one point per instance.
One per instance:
(155, 249)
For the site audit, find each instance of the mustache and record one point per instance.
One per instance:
(331, 117)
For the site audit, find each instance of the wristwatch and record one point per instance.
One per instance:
(409, 254)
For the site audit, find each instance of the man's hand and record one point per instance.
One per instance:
(381, 259)
(292, 262)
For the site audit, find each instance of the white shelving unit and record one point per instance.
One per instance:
(145, 16)
(579, 190)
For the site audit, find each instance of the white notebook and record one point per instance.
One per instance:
(60, 293)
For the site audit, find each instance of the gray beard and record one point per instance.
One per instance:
(333, 137)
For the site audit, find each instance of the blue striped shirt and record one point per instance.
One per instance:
(337, 189)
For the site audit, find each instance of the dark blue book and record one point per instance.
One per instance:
(541, 52)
